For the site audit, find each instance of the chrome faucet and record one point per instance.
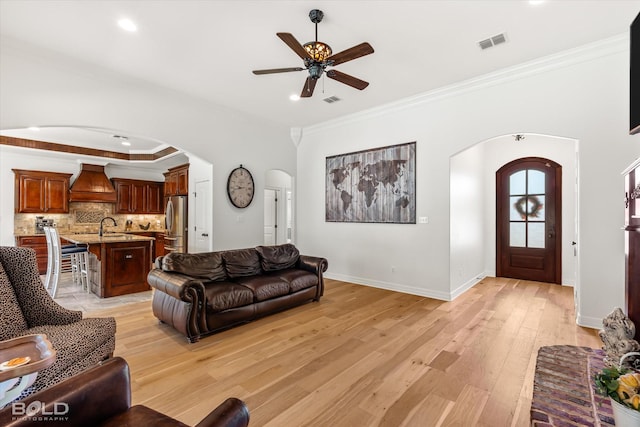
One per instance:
(100, 233)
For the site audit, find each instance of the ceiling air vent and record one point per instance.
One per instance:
(492, 41)
(331, 99)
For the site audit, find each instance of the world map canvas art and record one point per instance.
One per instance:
(376, 185)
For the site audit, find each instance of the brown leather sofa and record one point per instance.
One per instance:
(101, 397)
(202, 293)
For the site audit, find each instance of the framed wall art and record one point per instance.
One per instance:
(376, 185)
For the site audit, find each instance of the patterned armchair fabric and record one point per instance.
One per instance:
(26, 308)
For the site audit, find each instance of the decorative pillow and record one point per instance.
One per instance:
(208, 265)
(280, 257)
(12, 321)
(242, 262)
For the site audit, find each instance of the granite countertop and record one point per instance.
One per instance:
(69, 233)
(91, 239)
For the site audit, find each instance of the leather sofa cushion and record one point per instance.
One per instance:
(298, 279)
(222, 296)
(265, 287)
(242, 262)
(278, 257)
(208, 265)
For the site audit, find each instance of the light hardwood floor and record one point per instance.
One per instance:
(360, 357)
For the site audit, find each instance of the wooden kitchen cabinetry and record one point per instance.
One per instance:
(41, 192)
(632, 243)
(176, 181)
(39, 244)
(157, 246)
(138, 197)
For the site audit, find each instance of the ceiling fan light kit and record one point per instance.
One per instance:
(317, 56)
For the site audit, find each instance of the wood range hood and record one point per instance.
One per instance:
(92, 185)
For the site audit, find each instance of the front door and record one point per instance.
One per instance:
(529, 220)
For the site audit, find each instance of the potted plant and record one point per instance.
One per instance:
(622, 385)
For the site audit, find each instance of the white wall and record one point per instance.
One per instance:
(580, 94)
(468, 237)
(42, 88)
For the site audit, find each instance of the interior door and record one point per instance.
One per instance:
(202, 199)
(270, 217)
(529, 220)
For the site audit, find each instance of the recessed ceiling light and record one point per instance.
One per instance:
(535, 2)
(294, 97)
(123, 140)
(128, 25)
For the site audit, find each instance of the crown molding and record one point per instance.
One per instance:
(161, 153)
(602, 48)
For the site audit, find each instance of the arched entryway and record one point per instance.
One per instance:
(529, 220)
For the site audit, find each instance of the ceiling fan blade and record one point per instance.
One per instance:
(294, 45)
(277, 70)
(352, 53)
(347, 79)
(309, 86)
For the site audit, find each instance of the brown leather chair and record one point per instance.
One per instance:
(101, 396)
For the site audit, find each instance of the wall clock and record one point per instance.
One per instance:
(240, 187)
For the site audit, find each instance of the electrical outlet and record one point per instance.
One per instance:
(393, 268)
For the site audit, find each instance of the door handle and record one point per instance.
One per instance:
(205, 234)
(128, 256)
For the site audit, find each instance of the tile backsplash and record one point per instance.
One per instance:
(85, 218)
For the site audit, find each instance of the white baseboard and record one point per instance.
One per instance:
(429, 293)
(589, 322)
(466, 286)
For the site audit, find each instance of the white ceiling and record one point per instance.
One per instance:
(209, 48)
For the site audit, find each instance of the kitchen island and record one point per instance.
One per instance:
(118, 262)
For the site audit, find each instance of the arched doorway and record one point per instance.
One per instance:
(529, 220)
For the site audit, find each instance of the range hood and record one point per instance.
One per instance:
(92, 185)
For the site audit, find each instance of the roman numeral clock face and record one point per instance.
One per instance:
(240, 187)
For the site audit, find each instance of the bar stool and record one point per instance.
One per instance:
(77, 257)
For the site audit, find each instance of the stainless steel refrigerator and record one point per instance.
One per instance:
(175, 237)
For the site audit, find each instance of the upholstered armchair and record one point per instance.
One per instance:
(101, 396)
(26, 308)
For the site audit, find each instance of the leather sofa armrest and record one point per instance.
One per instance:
(85, 399)
(315, 265)
(231, 413)
(177, 285)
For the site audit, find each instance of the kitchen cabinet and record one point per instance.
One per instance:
(118, 263)
(39, 244)
(157, 246)
(176, 182)
(632, 243)
(41, 192)
(138, 197)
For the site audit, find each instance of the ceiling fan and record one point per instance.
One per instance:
(317, 56)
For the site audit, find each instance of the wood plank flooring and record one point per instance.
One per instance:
(360, 357)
